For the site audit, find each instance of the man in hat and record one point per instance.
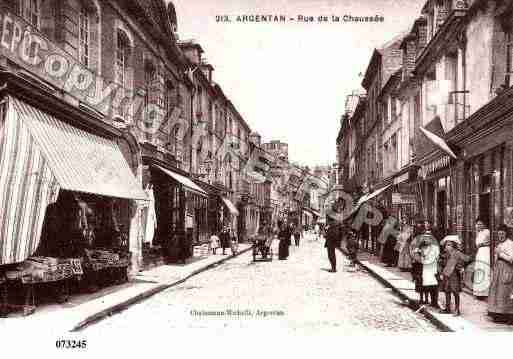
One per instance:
(333, 239)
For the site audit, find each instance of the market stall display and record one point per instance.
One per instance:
(42, 270)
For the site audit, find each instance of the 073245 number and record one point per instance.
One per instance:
(70, 344)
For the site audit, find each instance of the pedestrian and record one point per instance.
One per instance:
(234, 242)
(500, 303)
(453, 261)
(284, 238)
(388, 256)
(429, 253)
(415, 254)
(214, 243)
(225, 239)
(404, 239)
(352, 247)
(316, 232)
(482, 271)
(333, 239)
(430, 263)
(297, 235)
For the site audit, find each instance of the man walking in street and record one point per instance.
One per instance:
(333, 239)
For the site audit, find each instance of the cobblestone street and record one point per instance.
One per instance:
(300, 295)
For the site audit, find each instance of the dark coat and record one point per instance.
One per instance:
(225, 239)
(333, 236)
(283, 248)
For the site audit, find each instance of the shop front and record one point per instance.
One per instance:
(69, 199)
(230, 214)
(181, 209)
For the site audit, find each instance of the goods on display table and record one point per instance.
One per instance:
(83, 247)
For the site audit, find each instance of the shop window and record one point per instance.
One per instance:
(175, 209)
(84, 23)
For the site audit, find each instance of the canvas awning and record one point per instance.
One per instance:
(438, 142)
(39, 155)
(184, 181)
(80, 161)
(233, 210)
(369, 196)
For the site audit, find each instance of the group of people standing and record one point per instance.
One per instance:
(285, 233)
(226, 239)
(438, 265)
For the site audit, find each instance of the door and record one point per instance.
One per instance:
(442, 214)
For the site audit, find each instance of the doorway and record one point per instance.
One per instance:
(442, 213)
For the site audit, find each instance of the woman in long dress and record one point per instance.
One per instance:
(404, 240)
(500, 304)
(482, 271)
(284, 237)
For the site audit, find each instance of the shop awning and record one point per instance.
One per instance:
(233, 210)
(369, 196)
(80, 161)
(184, 181)
(39, 155)
(438, 142)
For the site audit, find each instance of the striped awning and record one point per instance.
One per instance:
(39, 155)
(184, 181)
(80, 161)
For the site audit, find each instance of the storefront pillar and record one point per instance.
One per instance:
(508, 174)
(459, 195)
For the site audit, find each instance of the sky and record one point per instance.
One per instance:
(289, 80)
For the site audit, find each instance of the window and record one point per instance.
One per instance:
(393, 109)
(150, 75)
(30, 10)
(175, 140)
(385, 112)
(83, 36)
(509, 58)
(122, 54)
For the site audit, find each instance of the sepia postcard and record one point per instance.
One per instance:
(191, 169)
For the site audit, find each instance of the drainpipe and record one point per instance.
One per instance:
(193, 92)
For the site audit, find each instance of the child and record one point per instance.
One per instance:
(453, 261)
(214, 243)
(352, 247)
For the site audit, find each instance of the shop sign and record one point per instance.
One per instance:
(402, 198)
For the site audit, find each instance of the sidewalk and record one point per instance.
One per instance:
(474, 312)
(79, 312)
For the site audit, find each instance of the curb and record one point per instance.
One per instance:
(413, 305)
(148, 293)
